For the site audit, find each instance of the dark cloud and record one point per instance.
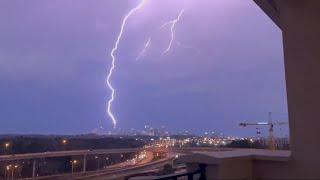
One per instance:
(54, 57)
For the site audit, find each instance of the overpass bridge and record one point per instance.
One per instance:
(15, 157)
(28, 156)
(36, 156)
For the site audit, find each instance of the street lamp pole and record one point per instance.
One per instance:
(7, 146)
(5, 173)
(64, 143)
(34, 168)
(8, 167)
(73, 163)
(97, 162)
(71, 169)
(84, 163)
(12, 173)
(14, 167)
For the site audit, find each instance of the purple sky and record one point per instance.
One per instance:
(54, 57)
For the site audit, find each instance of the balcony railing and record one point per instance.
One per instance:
(201, 172)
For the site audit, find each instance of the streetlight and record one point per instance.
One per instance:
(97, 161)
(6, 175)
(251, 142)
(7, 146)
(64, 141)
(12, 169)
(73, 163)
(107, 161)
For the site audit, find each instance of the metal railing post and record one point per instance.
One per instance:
(202, 171)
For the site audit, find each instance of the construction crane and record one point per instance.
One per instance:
(271, 139)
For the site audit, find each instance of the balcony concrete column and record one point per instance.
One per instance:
(300, 24)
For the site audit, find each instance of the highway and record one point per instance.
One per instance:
(148, 165)
(115, 171)
(90, 152)
(127, 171)
(66, 153)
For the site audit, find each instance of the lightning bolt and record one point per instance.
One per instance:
(147, 44)
(112, 54)
(172, 28)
